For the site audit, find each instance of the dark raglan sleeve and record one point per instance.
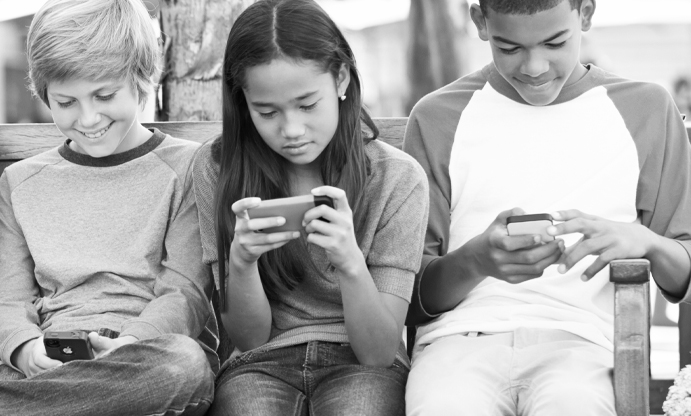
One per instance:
(663, 197)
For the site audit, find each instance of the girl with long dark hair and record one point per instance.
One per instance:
(316, 315)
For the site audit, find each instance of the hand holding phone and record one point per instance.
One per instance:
(68, 345)
(530, 224)
(292, 209)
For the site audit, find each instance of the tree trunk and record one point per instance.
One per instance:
(437, 29)
(195, 34)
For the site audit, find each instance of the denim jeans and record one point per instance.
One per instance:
(168, 375)
(316, 378)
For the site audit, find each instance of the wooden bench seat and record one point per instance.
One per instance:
(632, 303)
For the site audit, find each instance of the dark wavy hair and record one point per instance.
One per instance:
(297, 30)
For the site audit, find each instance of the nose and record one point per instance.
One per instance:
(293, 126)
(534, 65)
(89, 116)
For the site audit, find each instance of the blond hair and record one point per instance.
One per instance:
(94, 40)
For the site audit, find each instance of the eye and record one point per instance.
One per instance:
(556, 45)
(309, 107)
(510, 51)
(105, 97)
(270, 114)
(65, 104)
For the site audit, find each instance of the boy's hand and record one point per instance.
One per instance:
(104, 345)
(609, 240)
(337, 236)
(248, 244)
(513, 259)
(32, 359)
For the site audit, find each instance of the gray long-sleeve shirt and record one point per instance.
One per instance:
(113, 242)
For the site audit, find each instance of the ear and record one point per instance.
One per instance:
(343, 79)
(587, 11)
(479, 20)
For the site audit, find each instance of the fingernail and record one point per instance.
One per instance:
(536, 239)
(555, 215)
(562, 268)
(304, 224)
(552, 230)
(280, 220)
(584, 278)
(296, 234)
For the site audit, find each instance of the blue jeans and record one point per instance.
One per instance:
(168, 375)
(316, 378)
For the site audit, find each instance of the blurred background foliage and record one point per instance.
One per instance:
(404, 48)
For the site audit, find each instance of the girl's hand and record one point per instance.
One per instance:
(248, 244)
(337, 236)
(609, 240)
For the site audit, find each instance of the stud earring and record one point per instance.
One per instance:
(342, 97)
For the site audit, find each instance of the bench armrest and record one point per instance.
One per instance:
(631, 335)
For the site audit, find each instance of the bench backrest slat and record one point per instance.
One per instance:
(20, 141)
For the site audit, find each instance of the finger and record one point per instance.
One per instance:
(599, 264)
(570, 214)
(576, 225)
(267, 238)
(338, 195)
(322, 212)
(514, 242)
(99, 343)
(263, 223)
(581, 250)
(322, 227)
(43, 362)
(241, 206)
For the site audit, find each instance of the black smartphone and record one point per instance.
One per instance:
(530, 224)
(292, 209)
(68, 345)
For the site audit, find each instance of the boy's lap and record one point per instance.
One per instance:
(535, 367)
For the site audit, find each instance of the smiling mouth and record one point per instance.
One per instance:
(96, 134)
(536, 85)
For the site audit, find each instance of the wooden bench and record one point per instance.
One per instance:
(632, 303)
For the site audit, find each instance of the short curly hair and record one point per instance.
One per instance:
(527, 7)
(94, 40)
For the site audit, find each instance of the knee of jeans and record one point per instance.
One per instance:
(186, 361)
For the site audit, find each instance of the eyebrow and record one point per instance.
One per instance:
(510, 42)
(300, 98)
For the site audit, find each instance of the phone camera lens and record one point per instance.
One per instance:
(52, 343)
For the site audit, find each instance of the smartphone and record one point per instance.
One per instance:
(530, 224)
(68, 345)
(292, 209)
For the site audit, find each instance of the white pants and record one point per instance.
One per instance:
(527, 372)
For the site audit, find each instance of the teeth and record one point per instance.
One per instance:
(97, 134)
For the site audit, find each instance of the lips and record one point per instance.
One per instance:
(296, 148)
